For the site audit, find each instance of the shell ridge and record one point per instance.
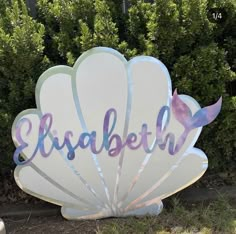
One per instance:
(136, 178)
(156, 185)
(57, 185)
(162, 179)
(125, 132)
(73, 169)
(43, 197)
(46, 75)
(148, 156)
(200, 153)
(195, 151)
(156, 200)
(84, 127)
(169, 172)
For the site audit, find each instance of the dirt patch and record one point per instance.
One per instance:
(49, 225)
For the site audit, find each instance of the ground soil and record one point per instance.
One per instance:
(40, 225)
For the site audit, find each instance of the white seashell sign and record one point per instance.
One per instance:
(108, 138)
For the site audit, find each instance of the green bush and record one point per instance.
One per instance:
(199, 54)
(204, 74)
(22, 61)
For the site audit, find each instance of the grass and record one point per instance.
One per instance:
(215, 217)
